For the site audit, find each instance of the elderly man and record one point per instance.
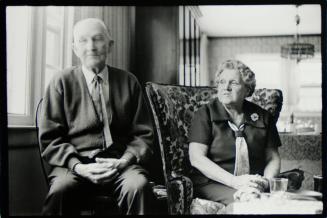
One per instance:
(94, 129)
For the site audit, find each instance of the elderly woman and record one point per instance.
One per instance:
(233, 142)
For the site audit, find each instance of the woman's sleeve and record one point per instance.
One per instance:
(273, 139)
(200, 129)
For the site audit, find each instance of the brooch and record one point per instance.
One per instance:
(254, 117)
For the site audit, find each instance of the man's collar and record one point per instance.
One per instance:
(251, 115)
(89, 75)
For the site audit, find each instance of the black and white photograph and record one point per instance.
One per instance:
(165, 110)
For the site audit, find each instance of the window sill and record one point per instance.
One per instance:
(20, 136)
(22, 127)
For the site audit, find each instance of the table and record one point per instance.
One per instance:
(276, 206)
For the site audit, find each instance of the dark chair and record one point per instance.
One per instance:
(172, 108)
(97, 205)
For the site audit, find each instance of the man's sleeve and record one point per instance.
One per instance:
(141, 132)
(53, 129)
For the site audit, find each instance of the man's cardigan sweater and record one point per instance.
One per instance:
(69, 127)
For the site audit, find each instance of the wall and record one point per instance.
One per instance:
(27, 185)
(224, 48)
(156, 44)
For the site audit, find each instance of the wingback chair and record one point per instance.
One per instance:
(172, 108)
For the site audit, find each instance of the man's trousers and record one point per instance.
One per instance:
(68, 191)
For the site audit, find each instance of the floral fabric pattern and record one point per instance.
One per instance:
(269, 99)
(202, 206)
(173, 108)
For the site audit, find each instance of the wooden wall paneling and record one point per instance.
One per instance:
(181, 72)
(156, 40)
(131, 46)
(114, 53)
(122, 36)
(197, 66)
(190, 46)
(107, 12)
(184, 46)
(27, 185)
(191, 49)
(187, 47)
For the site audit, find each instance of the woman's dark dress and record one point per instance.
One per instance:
(210, 127)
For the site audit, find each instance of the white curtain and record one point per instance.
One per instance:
(291, 84)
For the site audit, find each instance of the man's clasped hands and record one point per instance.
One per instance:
(103, 171)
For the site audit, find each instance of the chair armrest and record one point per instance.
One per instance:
(180, 195)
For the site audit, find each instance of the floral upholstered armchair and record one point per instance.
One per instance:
(173, 108)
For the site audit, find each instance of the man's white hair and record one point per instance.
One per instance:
(94, 20)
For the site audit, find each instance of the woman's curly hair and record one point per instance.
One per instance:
(246, 73)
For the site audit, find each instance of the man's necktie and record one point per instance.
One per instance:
(242, 164)
(100, 106)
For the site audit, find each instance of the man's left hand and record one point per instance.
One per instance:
(119, 164)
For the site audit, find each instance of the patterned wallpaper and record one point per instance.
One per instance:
(220, 49)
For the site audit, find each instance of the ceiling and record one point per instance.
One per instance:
(259, 20)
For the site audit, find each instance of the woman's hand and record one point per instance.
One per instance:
(246, 194)
(252, 181)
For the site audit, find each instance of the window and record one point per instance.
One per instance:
(267, 69)
(54, 38)
(189, 48)
(18, 44)
(310, 85)
(37, 48)
(299, 82)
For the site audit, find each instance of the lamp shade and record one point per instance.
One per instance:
(297, 51)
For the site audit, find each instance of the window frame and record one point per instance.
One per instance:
(36, 67)
(316, 58)
(287, 108)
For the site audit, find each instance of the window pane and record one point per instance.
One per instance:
(17, 59)
(267, 69)
(310, 73)
(53, 48)
(267, 74)
(54, 42)
(310, 99)
(55, 15)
